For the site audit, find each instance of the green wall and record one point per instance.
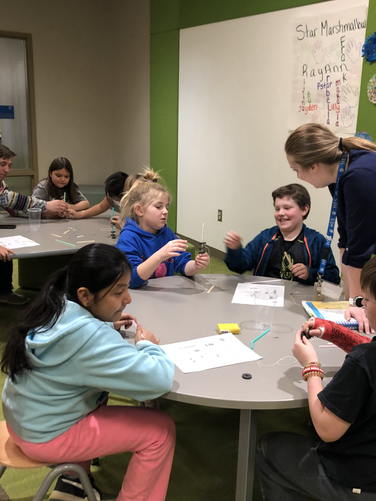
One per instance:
(167, 18)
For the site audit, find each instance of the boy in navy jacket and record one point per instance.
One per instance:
(290, 250)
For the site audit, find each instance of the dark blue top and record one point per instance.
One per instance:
(255, 255)
(356, 214)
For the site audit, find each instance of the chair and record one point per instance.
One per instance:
(11, 456)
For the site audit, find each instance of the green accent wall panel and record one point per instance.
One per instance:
(367, 110)
(198, 12)
(164, 15)
(164, 101)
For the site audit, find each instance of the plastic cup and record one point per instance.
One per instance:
(264, 317)
(34, 218)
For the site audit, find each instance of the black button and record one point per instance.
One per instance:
(246, 375)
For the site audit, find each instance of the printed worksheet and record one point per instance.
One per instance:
(259, 294)
(209, 353)
(17, 242)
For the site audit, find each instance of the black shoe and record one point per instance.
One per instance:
(14, 299)
(70, 489)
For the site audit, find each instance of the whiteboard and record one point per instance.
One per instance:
(234, 100)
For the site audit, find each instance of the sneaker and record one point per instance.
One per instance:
(70, 489)
(13, 298)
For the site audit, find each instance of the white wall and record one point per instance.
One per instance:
(91, 73)
(234, 102)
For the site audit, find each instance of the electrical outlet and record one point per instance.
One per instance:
(220, 215)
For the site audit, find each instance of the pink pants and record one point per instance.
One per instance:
(149, 433)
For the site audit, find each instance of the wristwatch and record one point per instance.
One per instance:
(356, 301)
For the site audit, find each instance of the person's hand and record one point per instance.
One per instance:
(47, 214)
(303, 350)
(115, 220)
(232, 240)
(144, 335)
(126, 321)
(5, 253)
(172, 249)
(72, 214)
(299, 270)
(58, 207)
(309, 325)
(360, 316)
(202, 260)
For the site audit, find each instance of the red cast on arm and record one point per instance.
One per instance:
(339, 335)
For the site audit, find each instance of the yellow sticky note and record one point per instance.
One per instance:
(234, 328)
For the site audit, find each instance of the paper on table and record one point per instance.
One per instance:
(209, 352)
(259, 294)
(17, 242)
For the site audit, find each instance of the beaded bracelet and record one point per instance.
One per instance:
(313, 373)
(312, 368)
(316, 364)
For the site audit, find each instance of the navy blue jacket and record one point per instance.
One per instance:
(255, 256)
(357, 208)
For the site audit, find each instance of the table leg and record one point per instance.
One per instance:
(246, 455)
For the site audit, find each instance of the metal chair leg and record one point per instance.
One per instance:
(59, 470)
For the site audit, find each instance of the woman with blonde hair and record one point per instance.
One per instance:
(348, 167)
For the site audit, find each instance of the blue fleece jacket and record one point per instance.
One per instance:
(76, 363)
(357, 208)
(255, 256)
(139, 245)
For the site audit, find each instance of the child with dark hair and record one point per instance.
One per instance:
(65, 356)
(60, 185)
(114, 187)
(290, 250)
(338, 463)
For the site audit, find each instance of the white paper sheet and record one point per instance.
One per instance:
(259, 294)
(17, 242)
(209, 352)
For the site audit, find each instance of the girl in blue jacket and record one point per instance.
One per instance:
(62, 360)
(152, 248)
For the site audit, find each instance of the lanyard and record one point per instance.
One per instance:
(332, 218)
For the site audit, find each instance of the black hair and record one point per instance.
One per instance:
(71, 189)
(297, 192)
(114, 185)
(95, 266)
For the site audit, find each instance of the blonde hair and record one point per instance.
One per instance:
(314, 143)
(143, 189)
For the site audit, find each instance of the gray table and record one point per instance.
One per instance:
(82, 230)
(38, 262)
(178, 309)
